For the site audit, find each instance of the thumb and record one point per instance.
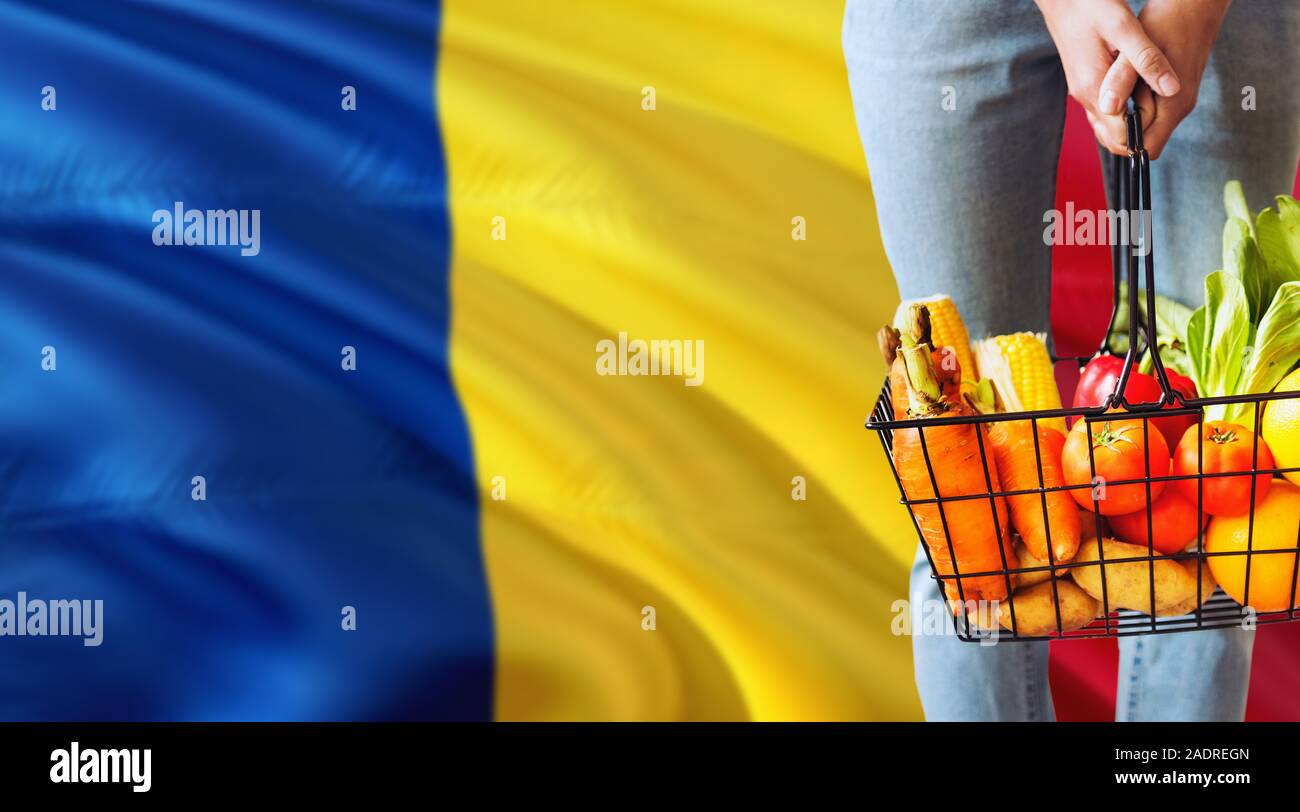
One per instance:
(1145, 101)
(1145, 56)
(1156, 129)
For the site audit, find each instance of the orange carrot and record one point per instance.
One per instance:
(949, 374)
(950, 386)
(977, 528)
(1013, 446)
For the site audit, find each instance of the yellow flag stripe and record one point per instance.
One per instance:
(644, 169)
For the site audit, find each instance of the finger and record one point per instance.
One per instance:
(1116, 86)
(1145, 101)
(1144, 55)
(1110, 132)
(1099, 132)
(1159, 120)
(1156, 137)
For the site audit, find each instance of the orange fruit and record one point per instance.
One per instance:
(1277, 519)
(1280, 426)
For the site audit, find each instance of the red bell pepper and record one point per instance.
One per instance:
(1100, 376)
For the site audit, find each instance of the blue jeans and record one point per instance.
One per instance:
(960, 106)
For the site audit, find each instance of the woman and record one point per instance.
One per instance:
(960, 106)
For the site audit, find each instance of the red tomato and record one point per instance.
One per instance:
(1098, 379)
(1225, 447)
(1173, 520)
(1121, 450)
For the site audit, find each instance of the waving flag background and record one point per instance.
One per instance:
(325, 488)
(673, 223)
(497, 513)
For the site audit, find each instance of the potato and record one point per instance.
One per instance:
(984, 616)
(1128, 585)
(1027, 560)
(1036, 610)
(1207, 589)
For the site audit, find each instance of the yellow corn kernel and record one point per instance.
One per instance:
(1021, 369)
(946, 329)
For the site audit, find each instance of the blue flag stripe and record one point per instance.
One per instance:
(325, 487)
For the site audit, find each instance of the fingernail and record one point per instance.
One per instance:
(1109, 102)
(1168, 84)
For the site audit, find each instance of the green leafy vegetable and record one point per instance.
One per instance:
(1195, 343)
(1228, 334)
(1171, 316)
(1242, 259)
(1279, 240)
(1234, 203)
(1171, 328)
(1277, 346)
(1246, 337)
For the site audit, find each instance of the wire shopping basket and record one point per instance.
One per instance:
(1104, 588)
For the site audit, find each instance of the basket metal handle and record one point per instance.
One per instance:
(1132, 175)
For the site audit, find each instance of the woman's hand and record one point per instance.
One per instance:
(1186, 30)
(1090, 36)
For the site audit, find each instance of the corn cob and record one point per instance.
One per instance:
(1021, 370)
(946, 329)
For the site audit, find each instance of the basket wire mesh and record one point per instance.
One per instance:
(1132, 186)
